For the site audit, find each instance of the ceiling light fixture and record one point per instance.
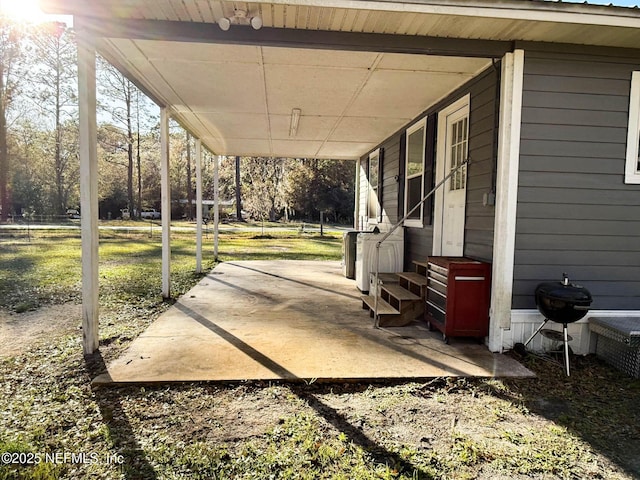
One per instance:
(240, 17)
(295, 119)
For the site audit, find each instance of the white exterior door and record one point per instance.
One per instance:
(449, 218)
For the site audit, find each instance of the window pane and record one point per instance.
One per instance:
(373, 170)
(415, 152)
(414, 195)
(373, 203)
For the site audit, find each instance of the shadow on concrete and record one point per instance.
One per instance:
(135, 464)
(299, 282)
(237, 343)
(371, 336)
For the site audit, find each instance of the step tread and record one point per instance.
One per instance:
(414, 277)
(421, 263)
(383, 307)
(399, 292)
(387, 278)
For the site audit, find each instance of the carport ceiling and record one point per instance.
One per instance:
(239, 98)
(236, 89)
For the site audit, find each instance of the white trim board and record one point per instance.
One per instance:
(631, 173)
(504, 237)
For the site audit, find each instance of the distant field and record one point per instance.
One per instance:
(43, 267)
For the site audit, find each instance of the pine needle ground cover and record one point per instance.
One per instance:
(55, 425)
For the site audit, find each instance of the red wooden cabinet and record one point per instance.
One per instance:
(458, 296)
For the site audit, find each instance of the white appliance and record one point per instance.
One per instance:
(391, 256)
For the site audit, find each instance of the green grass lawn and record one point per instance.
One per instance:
(45, 267)
(585, 426)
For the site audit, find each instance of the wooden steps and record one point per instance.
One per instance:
(401, 297)
(414, 282)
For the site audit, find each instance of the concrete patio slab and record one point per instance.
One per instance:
(291, 320)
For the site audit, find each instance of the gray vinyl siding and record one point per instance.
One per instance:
(390, 166)
(388, 185)
(575, 214)
(479, 222)
(480, 219)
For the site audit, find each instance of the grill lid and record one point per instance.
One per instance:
(562, 302)
(570, 293)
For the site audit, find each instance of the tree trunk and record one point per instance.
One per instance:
(238, 192)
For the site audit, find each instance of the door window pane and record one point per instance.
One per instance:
(458, 153)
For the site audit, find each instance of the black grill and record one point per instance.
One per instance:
(561, 302)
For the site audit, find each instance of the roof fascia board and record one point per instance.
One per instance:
(542, 11)
(536, 11)
(621, 54)
(292, 38)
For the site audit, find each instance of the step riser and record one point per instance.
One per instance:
(399, 307)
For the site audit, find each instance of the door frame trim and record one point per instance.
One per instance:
(463, 102)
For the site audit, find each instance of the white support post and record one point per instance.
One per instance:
(198, 206)
(356, 210)
(88, 192)
(165, 202)
(216, 210)
(504, 237)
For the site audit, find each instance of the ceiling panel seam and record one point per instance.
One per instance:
(266, 100)
(372, 69)
(176, 114)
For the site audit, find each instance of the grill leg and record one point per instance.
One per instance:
(566, 348)
(536, 332)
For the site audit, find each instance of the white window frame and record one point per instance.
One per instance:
(632, 167)
(414, 222)
(376, 218)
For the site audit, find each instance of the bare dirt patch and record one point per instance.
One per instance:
(22, 331)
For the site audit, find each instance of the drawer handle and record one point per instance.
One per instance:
(468, 279)
(436, 307)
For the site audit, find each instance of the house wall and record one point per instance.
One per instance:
(389, 186)
(479, 223)
(575, 214)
